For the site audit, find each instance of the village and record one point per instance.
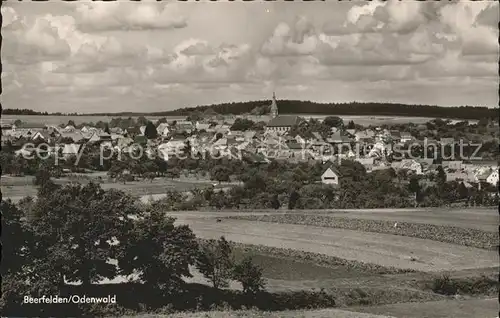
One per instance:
(280, 139)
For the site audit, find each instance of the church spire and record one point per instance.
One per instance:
(274, 107)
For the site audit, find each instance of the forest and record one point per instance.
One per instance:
(308, 107)
(352, 108)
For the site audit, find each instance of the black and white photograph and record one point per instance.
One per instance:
(252, 159)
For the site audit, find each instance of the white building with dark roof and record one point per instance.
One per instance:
(330, 176)
(280, 124)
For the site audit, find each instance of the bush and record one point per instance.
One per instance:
(444, 285)
(249, 275)
(359, 296)
(483, 285)
(215, 262)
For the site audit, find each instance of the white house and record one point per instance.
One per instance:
(330, 176)
(69, 128)
(163, 129)
(493, 178)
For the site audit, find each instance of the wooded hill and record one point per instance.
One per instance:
(353, 108)
(308, 107)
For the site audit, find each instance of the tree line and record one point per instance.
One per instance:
(26, 111)
(309, 107)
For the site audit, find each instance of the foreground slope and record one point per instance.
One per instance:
(470, 308)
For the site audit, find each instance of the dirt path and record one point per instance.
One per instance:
(376, 248)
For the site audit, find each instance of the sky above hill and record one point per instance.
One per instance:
(153, 56)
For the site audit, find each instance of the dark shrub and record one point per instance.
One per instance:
(444, 285)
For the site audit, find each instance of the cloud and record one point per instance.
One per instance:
(29, 41)
(489, 16)
(386, 17)
(9, 17)
(107, 82)
(106, 16)
(197, 61)
(372, 49)
(387, 41)
(55, 38)
(93, 54)
(300, 39)
(452, 64)
(194, 47)
(472, 22)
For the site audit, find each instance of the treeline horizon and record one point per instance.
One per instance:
(304, 107)
(26, 111)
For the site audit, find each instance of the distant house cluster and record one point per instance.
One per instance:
(371, 147)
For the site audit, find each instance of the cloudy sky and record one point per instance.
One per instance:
(153, 56)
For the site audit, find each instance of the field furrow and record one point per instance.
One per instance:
(376, 248)
(448, 234)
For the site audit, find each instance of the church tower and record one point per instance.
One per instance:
(274, 107)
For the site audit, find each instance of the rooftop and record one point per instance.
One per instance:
(283, 121)
(331, 166)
